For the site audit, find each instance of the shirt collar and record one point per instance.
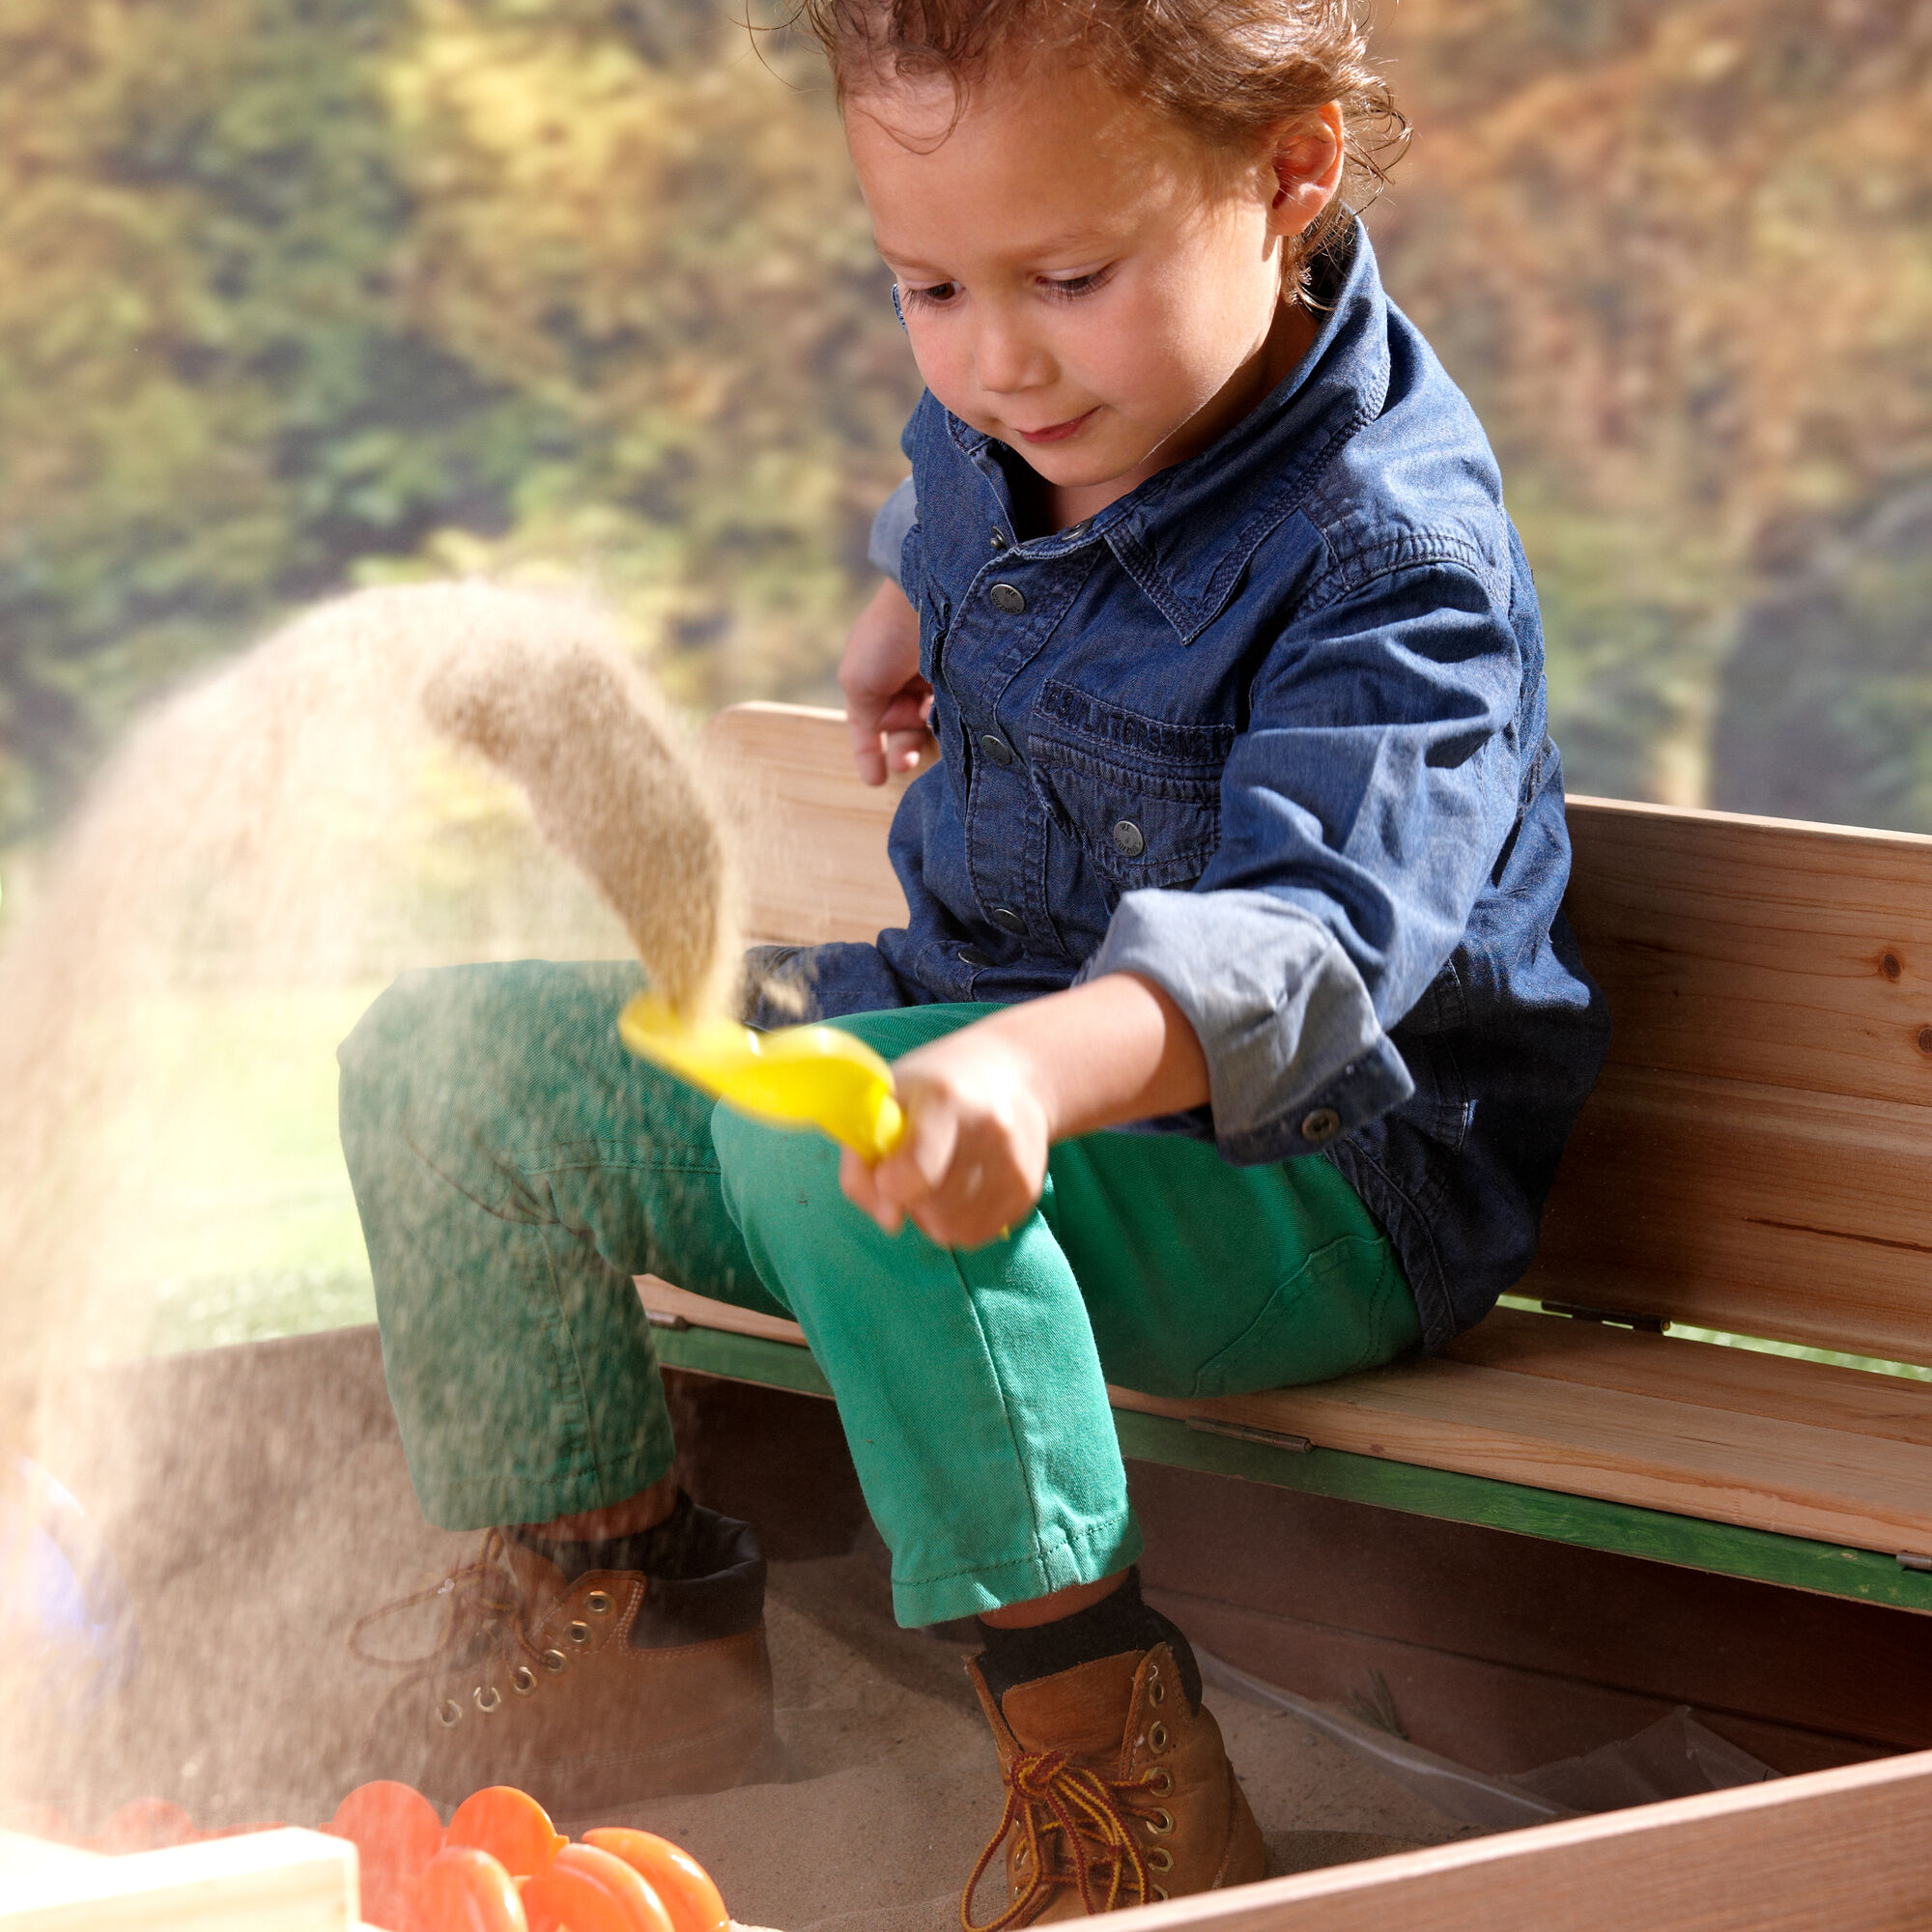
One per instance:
(1185, 534)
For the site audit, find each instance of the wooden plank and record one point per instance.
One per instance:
(1835, 1848)
(1828, 1485)
(1887, 1407)
(282, 1881)
(1757, 949)
(1803, 1217)
(813, 837)
(1759, 1465)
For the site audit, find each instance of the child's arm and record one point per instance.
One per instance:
(987, 1102)
(885, 696)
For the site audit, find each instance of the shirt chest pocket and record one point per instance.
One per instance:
(1135, 824)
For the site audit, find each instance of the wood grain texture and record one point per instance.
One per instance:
(812, 837)
(1835, 1848)
(1759, 949)
(1740, 1380)
(282, 1881)
(1687, 1427)
(1806, 1217)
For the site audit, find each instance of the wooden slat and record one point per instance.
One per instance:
(1840, 1849)
(813, 837)
(1886, 1407)
(1759, 949)
(1681, 1426)
(1806, 1218)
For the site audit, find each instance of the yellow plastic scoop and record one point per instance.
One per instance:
(806, 1076)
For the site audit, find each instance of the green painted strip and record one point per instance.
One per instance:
(1689, 1542)
(745, 1358)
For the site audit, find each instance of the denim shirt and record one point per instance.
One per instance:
(1269, 731)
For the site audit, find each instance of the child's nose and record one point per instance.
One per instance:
(1007, 358)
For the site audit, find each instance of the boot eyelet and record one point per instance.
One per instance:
(449, 1714)
(1019, 1857)
(1161, 1860)
(522, 1680)
(598, 1602)
(488, 1697)
(579, 1634)
(1157, 1691)
(1160, 1823)
(1160, 1894)
(1161, 1785)
(555, 1663)
(1157, 1737)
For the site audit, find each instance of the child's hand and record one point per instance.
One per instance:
(984, 1104)
(885, 696)
(973, 1158)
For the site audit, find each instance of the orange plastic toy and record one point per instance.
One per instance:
(463, 1890)
(648, 1913)
(671, 1872)
(511, 1826)
(396, 1831)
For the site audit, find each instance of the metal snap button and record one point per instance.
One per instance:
(968, 957)
(1007, 919)
(996, 747)
(1322, 1124)
(1130, 838)
(1078, 529)
(999, 539)
(1008, 597)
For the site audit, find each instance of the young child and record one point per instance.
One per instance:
(1236, 1016)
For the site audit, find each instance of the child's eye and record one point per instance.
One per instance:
(1071, 286)
(935, 295)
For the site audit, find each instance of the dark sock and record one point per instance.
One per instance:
(669, 1549)
(1119, 1622)
(708, 1573)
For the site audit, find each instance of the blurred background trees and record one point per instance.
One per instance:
(296, 293)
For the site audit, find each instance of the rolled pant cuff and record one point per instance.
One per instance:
(500, 1501)
(1102, 1549)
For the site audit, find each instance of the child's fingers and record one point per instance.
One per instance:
(905, 748)
(861, 1187)
(865, 752)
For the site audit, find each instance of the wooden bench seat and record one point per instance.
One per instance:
(1757, 1161)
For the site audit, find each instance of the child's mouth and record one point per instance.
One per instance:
(1058, 432)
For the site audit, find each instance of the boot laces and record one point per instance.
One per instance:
(486, 1618)
(1050, 1796)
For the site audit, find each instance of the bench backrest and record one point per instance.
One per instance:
(1758, 1155)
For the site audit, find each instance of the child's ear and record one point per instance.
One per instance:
(1309, 156)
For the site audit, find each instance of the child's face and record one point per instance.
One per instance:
(1082, 280)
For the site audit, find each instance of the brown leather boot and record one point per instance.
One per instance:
(1117, 1794)
(604, 1691)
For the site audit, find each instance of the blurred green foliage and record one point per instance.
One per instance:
(296, 293)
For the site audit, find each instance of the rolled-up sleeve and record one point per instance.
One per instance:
(897, 515)
(1361, 811)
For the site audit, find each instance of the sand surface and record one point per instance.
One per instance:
(247, 1704)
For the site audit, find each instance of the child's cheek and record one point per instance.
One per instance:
(944, 365)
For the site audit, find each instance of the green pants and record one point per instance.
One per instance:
(514, 1166)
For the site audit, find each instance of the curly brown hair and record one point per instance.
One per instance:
(1227, 70)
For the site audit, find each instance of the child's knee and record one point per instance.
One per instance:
(773, 1176)
(431, 1042)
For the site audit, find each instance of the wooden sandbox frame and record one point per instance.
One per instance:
(1833, 1849)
